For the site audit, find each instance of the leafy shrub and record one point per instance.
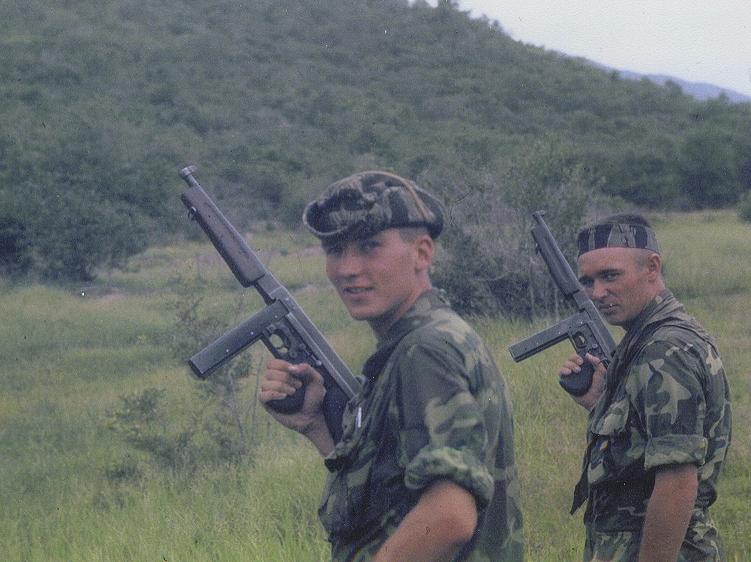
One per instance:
(490, 266)
(475, 279)
(142, 420)
(744, 207)
(222, 429)
(15, 250)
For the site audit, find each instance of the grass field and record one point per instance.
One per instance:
(72, 489)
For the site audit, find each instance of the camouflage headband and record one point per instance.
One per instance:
(617, 235)
(363, 204)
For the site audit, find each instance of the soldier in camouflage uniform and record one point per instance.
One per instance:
(659, 424)
(425, 467)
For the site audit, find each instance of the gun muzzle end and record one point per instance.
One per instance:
(187, 171)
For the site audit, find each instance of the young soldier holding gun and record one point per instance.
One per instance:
(420, 456)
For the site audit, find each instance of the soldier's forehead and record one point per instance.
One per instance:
(608, 258)
(353, 238)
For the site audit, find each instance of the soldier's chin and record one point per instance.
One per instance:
(360, 313)
(612, 317)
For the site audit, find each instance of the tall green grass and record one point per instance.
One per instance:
(72, 489)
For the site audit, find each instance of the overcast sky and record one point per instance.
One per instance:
(695, 40)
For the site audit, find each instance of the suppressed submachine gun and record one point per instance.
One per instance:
(585, 329)
(282, 325)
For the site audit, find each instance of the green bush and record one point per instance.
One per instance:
(489, 266)
(223, 428)
(463, 270)
(744, 207)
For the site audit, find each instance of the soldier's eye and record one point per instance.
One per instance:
(333, 250)
(369, 245)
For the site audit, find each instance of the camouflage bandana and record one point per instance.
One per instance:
(616, 235)
(366, 203)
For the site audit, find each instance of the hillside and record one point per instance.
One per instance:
(102, 101)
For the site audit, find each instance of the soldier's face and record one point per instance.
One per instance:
(380, 277)
(620, 282)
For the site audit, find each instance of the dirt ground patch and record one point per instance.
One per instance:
(101, 293)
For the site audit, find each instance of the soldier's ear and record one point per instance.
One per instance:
(654, 265)
(425, 248)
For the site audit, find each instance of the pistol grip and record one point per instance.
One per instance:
(290, 404)
(334, 404)
(577, 384)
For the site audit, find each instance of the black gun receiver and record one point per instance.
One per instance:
(585, 329)
(282, 325)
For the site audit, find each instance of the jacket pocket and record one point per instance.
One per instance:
(346, 506)
(335, 511)
(611, 454)
(364, 490)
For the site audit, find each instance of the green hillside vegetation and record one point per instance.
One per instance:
(111, 451)
(102, 101)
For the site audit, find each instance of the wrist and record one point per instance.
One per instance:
(314, 427)
(317, 432)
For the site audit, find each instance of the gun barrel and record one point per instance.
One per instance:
(559, 268)
(243, 263)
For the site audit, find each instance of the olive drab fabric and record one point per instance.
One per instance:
(363, 204)
(666, 402)
(434, 406)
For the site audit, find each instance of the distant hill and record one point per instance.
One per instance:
(699, 90)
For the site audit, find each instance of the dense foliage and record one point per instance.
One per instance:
(102, 101)
(744, 207)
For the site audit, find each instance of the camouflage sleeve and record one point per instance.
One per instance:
(443, 432)
(666, 390)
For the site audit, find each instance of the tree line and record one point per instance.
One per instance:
(273, 99)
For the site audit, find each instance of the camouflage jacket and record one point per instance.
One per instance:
(434, 405)
(666, 402)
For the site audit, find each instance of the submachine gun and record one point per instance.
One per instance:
(282, 325)
(585, 329)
